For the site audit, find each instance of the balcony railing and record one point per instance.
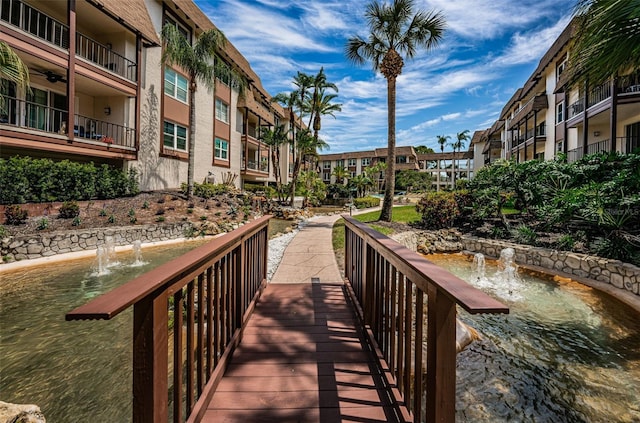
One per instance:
(576, 108)
(199, 302)
(597, 147)
(629, 144)
(599, 93)
(629, 84)
(389, 284)
(29, 115)
(104, 57)
(36, 23)
(261, 166)
(93, 129)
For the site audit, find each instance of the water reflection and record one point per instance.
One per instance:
(565, 353)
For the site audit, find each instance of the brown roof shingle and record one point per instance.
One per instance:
(134, 14)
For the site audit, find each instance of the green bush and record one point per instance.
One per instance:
(206, 190)
(69, 210)
(29, 180)
(438, 210)
(366, 202)
(14, 215)
(269, 192)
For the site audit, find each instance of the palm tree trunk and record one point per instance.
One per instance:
(192, 136)
(387, 203)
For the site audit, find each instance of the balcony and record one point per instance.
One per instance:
(597, 147)
(599, 94)
(536, 103)
(47, 28)
(576, 108)
(259, 166)
(629, 84)
(37, 117)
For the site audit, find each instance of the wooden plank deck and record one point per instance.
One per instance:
(303, 358)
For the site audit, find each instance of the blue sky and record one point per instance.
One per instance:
(488, 51)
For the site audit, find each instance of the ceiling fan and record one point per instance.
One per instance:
(51, 76)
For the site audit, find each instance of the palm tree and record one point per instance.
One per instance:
(373, 172)
(458, 144)
(323, 106)
(395, 30)
(198, 61)
(12, 68)
(340, 172)
(442, 140)
(607, 40)
(274, 139)
(423, 149)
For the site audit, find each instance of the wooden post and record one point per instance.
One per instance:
(441, 358)
(150, 350)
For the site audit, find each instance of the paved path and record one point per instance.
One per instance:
(309, 255)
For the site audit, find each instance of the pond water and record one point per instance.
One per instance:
(565, 353)
(75, 371)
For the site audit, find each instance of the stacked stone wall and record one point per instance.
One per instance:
(49, 244)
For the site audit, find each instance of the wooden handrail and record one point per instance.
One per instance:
(211, 292)
(389, 281)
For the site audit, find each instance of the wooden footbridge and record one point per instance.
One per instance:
(378, 346)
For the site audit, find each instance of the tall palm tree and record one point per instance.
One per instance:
(198, 61)
(458, 144)
(289, 101)
(395, 31)
(275, 138)
(607, 40)
(323, 106)
(442, 140)
(12, 68)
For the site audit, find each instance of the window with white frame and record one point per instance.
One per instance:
(326, 164)
(561, 66)
(186, 33)
(351, 162)
(175, 136)
(352, 174)
(326, 176)
(340, 163)
(366, 161)
(222, 111)
(175, 85)
(221, 150)
(560, 112)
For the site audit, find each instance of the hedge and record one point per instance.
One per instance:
(366, 202)
(29, 180)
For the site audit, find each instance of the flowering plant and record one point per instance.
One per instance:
(107, 140)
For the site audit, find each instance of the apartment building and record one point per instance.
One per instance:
(546, 117)
(99, 92)
(439, 165)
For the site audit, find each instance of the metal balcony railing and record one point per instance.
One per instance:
(261, 166)
(36, 23)
(599, 93)
(576, 108)
(629, 84)
(107, 132)
(106, 58)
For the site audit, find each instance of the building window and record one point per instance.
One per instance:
(221, 149)
(326, 164)
(340, 163)
(175, 85)
(351, 162)
(175, 136)
(326, 176)
(366, 161)
(560, 112)
(184, 31)
(222, 111)
(561, 66)
(401, 159)
(352, 174)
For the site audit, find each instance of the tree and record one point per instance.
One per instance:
(607, 40)
(340, 172)
(442, 140)
(360, 183)
(199, 62)
(395, 30)
(423, 149)
(274, 139)
(312, 188)
(458, 144)
(289, 102)
(323, 106)
(12, 68)
(373, 172)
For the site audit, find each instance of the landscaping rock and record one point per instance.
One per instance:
(20, 413)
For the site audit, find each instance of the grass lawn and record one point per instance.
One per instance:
(402, 214)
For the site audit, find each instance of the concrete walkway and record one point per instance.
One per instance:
(309, 256)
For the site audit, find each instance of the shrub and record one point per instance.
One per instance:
(366, 202)
(3, 232)
(438, 210)
(525, 235)
(42, 224)
(76, 221)
(111, 219)
(207, 190)
(69, 210)
(14, 215)
(268, 191)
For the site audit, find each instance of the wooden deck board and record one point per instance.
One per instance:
(302, 359)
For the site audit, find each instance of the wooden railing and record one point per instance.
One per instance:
(198, 304)
(390, 283)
